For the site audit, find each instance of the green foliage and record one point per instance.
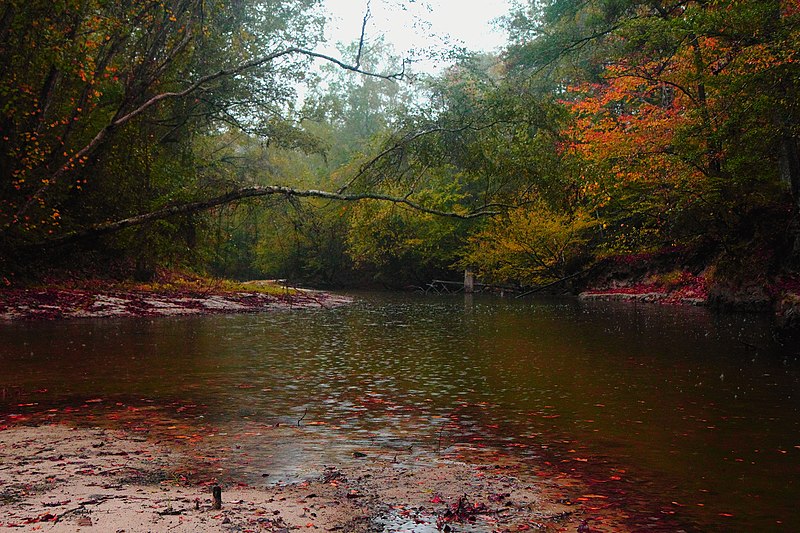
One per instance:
(673, 123)
(344, 118)
(404, 247)
(306, 244)
(682, 129)
(531, 245)
(72, 154)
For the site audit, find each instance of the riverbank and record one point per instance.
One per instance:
(83, 479)
(678, 278)
(176, 296)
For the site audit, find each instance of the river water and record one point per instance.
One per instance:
(675, 413)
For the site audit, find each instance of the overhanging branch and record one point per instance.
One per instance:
(103, 134)
(254, 192)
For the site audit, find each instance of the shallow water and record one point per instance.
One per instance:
(678, 414)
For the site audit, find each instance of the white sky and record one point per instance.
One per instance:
(426, 25)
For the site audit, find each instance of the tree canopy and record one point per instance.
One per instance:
(131, 132)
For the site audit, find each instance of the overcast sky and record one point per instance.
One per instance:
(429, 25)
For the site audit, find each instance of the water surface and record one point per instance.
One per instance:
(679, 414)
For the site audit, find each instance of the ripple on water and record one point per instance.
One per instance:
(679, 399)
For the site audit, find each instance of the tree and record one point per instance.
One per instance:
(103, 105)
(487, 141)
(531, 246)
(681, 116)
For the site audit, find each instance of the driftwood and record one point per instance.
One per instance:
(439, 286)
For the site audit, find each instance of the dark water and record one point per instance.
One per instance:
(676, 413)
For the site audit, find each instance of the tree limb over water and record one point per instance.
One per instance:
(255, 192)
(120, 119)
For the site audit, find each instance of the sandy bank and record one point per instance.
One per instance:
(61, 303)
(58, 478)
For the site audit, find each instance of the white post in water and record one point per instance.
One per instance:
(469, 281)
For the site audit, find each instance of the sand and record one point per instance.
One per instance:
(61, 478)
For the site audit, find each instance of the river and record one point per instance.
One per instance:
(674, 413)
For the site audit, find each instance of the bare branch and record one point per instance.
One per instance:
(363, 33)
(254, 192)
(404, 141)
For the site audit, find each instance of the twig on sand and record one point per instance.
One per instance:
(439, 441)
(97, 500)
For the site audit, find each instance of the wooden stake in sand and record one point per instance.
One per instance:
(217, 494)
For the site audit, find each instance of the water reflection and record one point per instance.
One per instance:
(684, 410)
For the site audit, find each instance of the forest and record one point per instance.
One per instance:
(221, 235)
(211, 136)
